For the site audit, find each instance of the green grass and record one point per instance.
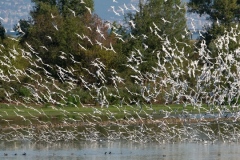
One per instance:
(12, 114)
(11, 111)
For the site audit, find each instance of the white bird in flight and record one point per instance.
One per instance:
(19, 29)
(132, 23)
(134, 8)
(125, 7)
(165, 21)
(114, 11)
(73, 12)
(89, 9)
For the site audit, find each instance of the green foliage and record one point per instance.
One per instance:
(155, 13)
(24, 25)
(223, 11)
(214, 32)
(2, 94)
(73, 101)
(24, 92)
(65, 7)
(223, 14)
(50, 2)
(12, 64)
(2, 31)
(155, 22)
(56, 27)
(64, 28)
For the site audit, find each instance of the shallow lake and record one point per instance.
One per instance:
(118, 150)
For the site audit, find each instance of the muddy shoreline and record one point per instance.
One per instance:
(120, 122)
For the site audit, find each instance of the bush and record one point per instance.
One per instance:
(24, 92)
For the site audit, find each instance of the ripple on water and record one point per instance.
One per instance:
(118, 150)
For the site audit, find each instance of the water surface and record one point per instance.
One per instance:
(118, 150)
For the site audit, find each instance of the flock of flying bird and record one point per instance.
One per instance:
(169, 79)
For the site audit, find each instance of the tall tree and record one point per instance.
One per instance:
(22, 27)
(65, 32)
(69, 7)
(156, 23)
(66, 8)
(2, 31)
(222, 13)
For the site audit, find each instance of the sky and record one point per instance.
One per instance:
(105, 9)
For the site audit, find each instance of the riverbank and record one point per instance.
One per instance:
(17, 116)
